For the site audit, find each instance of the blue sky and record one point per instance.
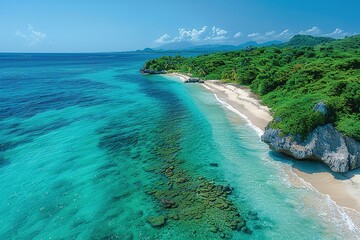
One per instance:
(118, 25)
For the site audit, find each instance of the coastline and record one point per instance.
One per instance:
(238, 99)
(344, 189)
(242, 101)
(181, 76)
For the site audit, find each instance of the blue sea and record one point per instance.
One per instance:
(91, 149)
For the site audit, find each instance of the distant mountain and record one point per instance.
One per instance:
(307, 41)
(179, 47)
(270, 43)
(175, 46)
(188, 47)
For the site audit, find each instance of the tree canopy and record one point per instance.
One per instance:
(290, 79)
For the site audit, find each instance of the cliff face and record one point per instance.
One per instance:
(324, 144)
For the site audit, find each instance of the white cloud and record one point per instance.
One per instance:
(163, 38)
(311, 31)
(31, 36)
(203, 34)
(253, 35)
(269, 33)
(214, 34)
(189, 35)
(218, 31)
(338, 33)
(237, 35)
(217, 34)
(285, 35)
(285, 32)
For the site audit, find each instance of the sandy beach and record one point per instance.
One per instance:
(182, 77)
(344, 189)
(242, 100)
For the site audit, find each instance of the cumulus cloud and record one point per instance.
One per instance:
(203, 34)
(253, 35)
(31, 36)
(285, 35)
(218, 31)
(312, 31)
(215, 34)
(268, 34)
(190, 35)
(271, 35)
(163, 38)
(237, 35)
(338, 33)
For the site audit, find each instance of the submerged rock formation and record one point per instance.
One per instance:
(324, 144)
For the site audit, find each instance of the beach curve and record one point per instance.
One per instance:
(345, 190)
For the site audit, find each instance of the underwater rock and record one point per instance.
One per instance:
(227, 188)
(156, 221)
(189, 198)
(213, 229)
(253, 215)
(181, 180)
(167, 203)
(174, 216)
(246, 230)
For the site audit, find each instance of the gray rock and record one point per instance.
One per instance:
(324, 144)
(320, 107)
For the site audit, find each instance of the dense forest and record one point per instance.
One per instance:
(290, 78)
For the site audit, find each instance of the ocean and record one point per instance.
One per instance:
(92, 149)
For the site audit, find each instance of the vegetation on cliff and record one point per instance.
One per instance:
(290, 79)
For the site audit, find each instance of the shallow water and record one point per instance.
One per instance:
(79, 141)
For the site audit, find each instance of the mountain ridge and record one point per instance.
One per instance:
(206, 48)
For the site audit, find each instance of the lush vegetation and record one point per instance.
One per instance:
(306, 40)
(290, 79)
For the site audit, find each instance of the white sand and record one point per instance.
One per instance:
(181, 76)
(243, 101)
(344, 189)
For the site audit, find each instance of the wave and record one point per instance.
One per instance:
(343, 220)
(332, 214)
(234, 110)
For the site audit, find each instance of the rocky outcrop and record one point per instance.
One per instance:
(324, 144)
(148, 71)
(194, 80)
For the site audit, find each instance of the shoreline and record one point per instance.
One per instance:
(181, 76)
(344, 189)
(242, 101)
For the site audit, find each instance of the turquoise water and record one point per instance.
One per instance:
(80, 136)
